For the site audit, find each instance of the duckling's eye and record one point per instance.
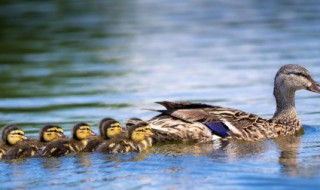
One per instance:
(21, 134)
(85, 129)
(60, 131)
(49, 133)
(140, 130)
(116, 125)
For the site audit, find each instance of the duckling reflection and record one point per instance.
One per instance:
(80, 134)
(109, 128)
(11, 137)
(30, 148)
(83, 160)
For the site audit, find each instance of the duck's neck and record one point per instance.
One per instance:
(286, 111)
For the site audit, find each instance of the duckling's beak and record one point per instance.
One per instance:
(93, 134)
(123, 131)
(148, 134)
(24, 138)
(315, 87)
(61, 135)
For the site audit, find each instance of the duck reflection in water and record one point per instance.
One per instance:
(289, 152)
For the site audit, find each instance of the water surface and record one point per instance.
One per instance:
(70, 61)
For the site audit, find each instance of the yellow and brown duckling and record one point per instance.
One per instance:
(148, 139)
(134, 142)
(80, 134)
(30, 148)
(109, 128)
(11, 137)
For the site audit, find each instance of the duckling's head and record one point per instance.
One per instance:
(50, 133)
(133, 121)
(109, 128)
(291, 78)
(11, 134)
(82, 131)
(139, 131)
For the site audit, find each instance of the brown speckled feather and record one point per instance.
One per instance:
(186, 123)
(22, 150)
(63, 147)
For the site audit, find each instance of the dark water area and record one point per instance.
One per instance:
(70, 61)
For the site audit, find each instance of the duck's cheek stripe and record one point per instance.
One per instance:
(218, 128)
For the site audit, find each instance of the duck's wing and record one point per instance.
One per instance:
(184, 105)
(3, 149)
(57, 148)
(92, 145)
(222, 122)
(116, 145)
(21, 151)
(168, 128)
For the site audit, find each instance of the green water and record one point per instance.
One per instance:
(69, 61)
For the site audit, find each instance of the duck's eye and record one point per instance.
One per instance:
(49, 133)
(140, 130)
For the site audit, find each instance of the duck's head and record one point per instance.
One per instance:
(139, 131)
(291, 78)
(82, 131)
(50, 133)
(12, 134)
(110, 128)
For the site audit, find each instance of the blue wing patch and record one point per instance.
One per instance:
(218, 128)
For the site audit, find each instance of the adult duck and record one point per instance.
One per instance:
(185, 121)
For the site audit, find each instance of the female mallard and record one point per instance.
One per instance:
(134, 142)
(109, 128)
(80, 134)
(11, 137)
(29, 148)
(200, 122)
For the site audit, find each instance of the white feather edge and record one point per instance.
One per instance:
(230, 126)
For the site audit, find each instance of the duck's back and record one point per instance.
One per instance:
(3, 149)
(22, 150)
(93, 144)
(201, 122)
(61, 147)
(117, 145)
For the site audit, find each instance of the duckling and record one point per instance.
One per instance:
(47, 134)
(109, 128)
(11, 137)
(148, 139)
(80, 134)
(134, 142)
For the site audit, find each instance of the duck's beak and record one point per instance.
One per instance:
(93, 134)
(123, 131)
(315, 87)
(61, 135)
(25, 138)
